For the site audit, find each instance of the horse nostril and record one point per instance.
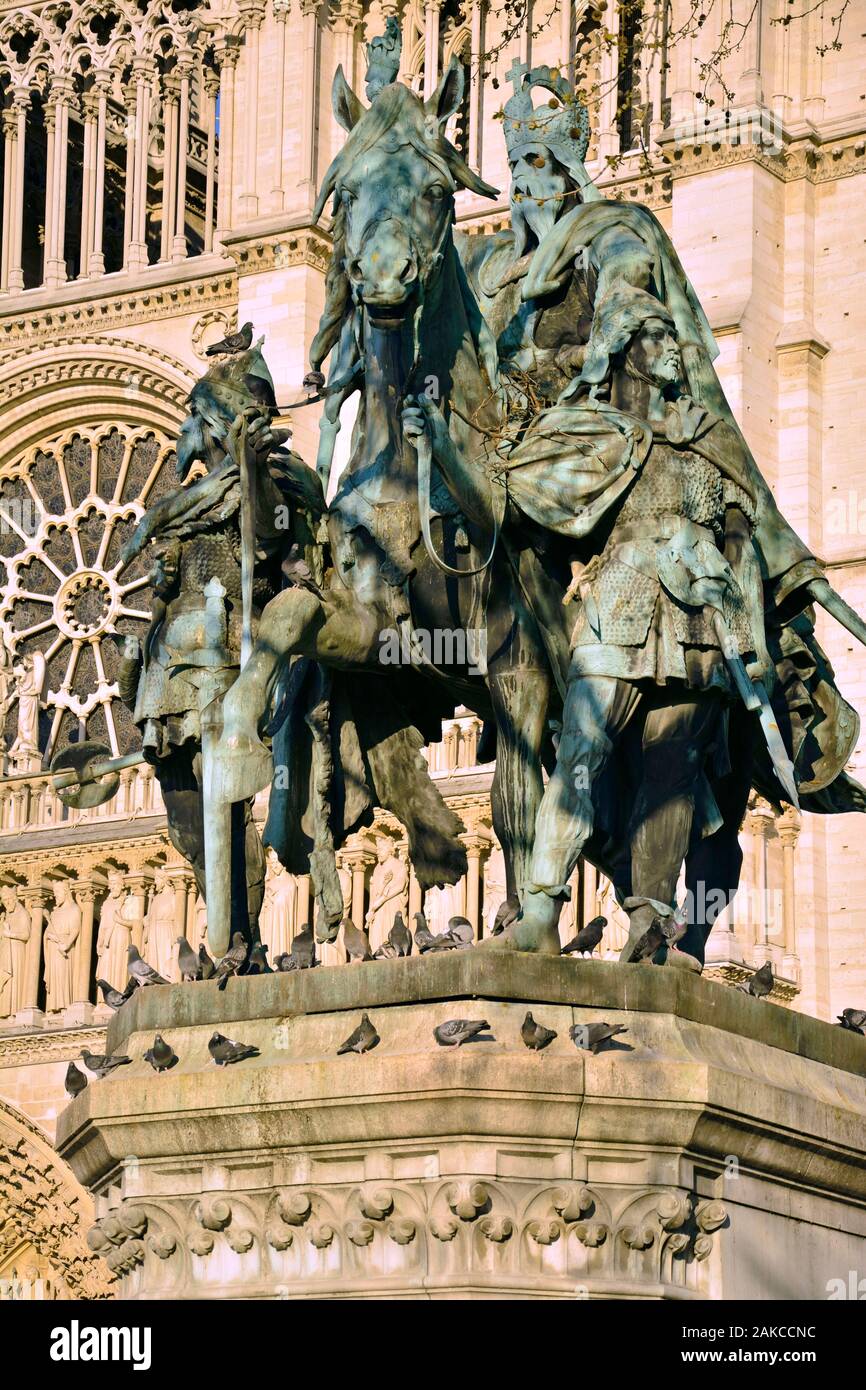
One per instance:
(408, 271)
(355, 271)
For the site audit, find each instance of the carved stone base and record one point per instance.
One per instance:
(713, 1151)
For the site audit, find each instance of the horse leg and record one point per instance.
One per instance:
(519, 683)
(519, 697)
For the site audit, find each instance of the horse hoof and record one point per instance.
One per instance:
(242, 767)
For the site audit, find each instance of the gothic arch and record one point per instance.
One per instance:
(43, 1207)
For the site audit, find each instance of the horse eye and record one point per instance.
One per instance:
(436, 191)
(347, 196)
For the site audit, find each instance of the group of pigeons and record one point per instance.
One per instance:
(160, 1055)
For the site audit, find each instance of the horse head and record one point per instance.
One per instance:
(393, 185)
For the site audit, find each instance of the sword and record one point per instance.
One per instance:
(755, 698)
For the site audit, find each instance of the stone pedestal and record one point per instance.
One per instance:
(714, 1151)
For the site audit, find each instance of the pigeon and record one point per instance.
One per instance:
(224, 1051)
(101, 1065)
(313, 381)
(232, 343)
(506, 913)
(304, 948)
(400, 936)
(160, 1055)
(113, 997)
(141, 972)
(386, 951)
(459, 1030)
(232, 960)
(587, 938)
(424, 937)
(853, 1019)
(460, 931)
(592, 1035)
(285, 962)
(187, 960)
(761, 982)
(356, 942)
(535, 1035)
(208, 969)
(258, 962)
(363, 1038)
(75, 1082)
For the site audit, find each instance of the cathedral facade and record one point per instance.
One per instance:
(160, 166)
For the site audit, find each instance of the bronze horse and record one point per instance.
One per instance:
(408, 558)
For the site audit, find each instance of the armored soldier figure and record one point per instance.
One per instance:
(194, 535)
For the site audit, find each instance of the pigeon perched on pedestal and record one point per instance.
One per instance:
(208, 969)
(592, 1036)
(232, 343)
(587, 938)
(141, 972)
(355, 941)
(160, 1055)
(258, 962)
(456, 1031)
(424, 937)
(114, 998)
(75, 1081)
(188, 962)
(761, 983)
(853, 1019)
(535, 1035)
(363, 1038)
(232, 961)
(225, 1051)
(400, 936)
(101, 1064)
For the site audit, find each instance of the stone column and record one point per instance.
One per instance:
(253, 14)
(309, 100)
(138, 151)
(760, 824)
(477, 849)
(589, 874)
(416, 896)
(227, 54)
(82, 1008)
(788, 826)
(211, 88)
(178, 247)
(171, 97)
(281, 9)
(96, 262)
(130, 99)
(357, 858)
(36, 898)
(565, 35)
(15, 129)
(89, 114)
(55, 240)
(476, 86)
(346, 17)
(431, 45)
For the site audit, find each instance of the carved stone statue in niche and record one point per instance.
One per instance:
(14, 935)
(278, 922)
(160, 928)
(389, 888)
(29, 682)
(116, 919)
(61, 934)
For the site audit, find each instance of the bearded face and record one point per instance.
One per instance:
(538, 183)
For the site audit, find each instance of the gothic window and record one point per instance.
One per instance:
(66, 510)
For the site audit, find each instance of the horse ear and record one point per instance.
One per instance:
(348, 109)
(448, 95)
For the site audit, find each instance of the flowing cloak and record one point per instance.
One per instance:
(819, 726)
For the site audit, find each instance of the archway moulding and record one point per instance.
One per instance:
(41, 1202)
(113, 381)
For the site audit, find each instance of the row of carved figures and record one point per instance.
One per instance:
(59, 936)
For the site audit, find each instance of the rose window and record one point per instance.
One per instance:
(66, 511)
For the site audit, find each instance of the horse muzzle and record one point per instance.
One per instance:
(384, 273)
